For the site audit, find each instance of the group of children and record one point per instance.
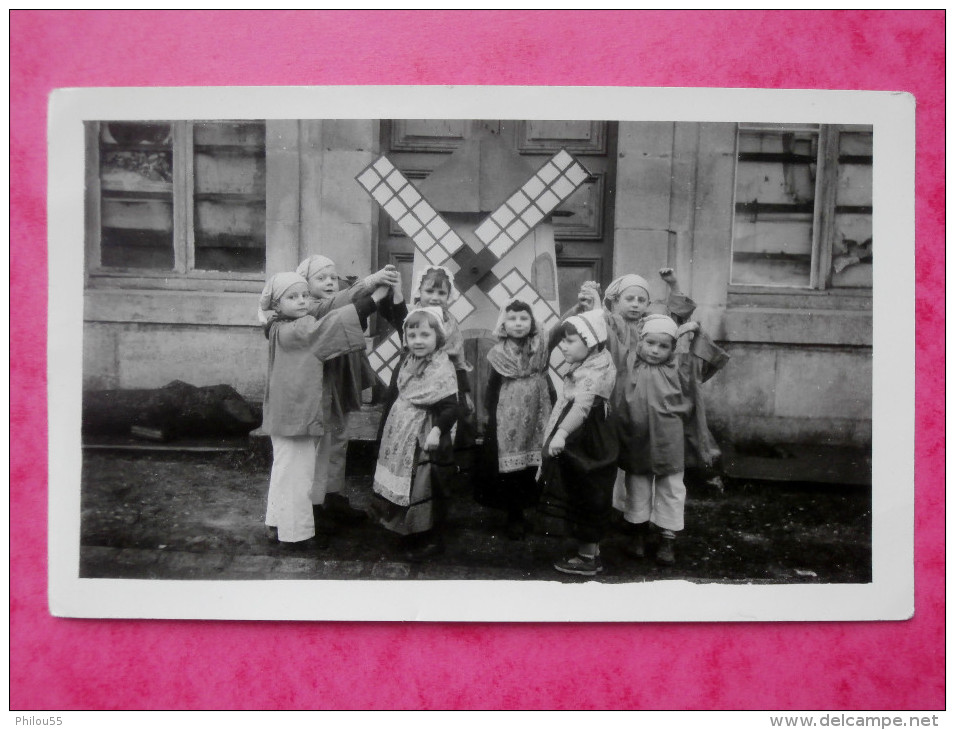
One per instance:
(628, 417)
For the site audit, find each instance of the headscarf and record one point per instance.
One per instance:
(518, 358)
(419, 276)
(437, 316)
(275, 287)
(591, 326)
(413, 366)
(313, 264)
(659, 323)
(624, 282)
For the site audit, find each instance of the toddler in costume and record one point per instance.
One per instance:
(294, 408)
(655, 402)
(415, 458)
(433, 286)
(518, 405)
(580, 443)
(344, 379)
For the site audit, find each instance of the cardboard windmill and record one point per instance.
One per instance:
(484, 214)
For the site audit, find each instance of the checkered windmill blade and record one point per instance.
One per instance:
(433, 238)
(497, 235)
(503, 229)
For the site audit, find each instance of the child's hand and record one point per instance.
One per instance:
(380, 293)
(387, 276)
(433, 439)
(669, 276)
(688, 328)
(557, 444)
(396, 296)
(468, 402)
(588, 296)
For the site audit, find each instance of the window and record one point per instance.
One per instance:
(803, 213)
(177, 198)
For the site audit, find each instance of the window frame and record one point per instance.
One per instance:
(183, 275)
(823, 219)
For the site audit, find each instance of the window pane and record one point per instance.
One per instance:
(775, 191)
(136, 195)
(229, 196)
(852, 240)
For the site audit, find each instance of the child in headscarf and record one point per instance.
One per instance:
(415, 458)
(655, 403)
(294, 412)
(580, 444)
(433, 286)
(517, 401)
(627, 304)
(344, 379)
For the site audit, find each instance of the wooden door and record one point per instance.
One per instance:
(583, 227)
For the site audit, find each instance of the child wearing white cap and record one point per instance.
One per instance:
(416, 458)
(580, 444)
(294, 413)
(654, 404)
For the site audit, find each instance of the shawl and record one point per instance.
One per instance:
(596, 375)
(518, 358)
(523, 404)
(313, 264)
(408, 423)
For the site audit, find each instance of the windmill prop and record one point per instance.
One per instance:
(485, 261)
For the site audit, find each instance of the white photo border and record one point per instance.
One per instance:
(890, 595)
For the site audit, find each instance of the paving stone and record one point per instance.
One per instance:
(341, 569)
(136, 557)
(252, 564)
(297, 565)
(182, 562)
(390, 571)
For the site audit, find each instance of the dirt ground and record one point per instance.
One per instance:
(212, 504)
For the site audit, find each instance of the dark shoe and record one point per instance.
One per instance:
(319, 542)
(420, 553)
(637, 545)
(580, 565)
(341, 512)
(665, 554)
(516, 528)
(324, 524)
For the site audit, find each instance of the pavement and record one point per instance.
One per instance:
(194, 511)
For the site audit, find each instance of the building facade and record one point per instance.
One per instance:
(769, 228)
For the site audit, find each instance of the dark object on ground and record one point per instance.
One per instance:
(177, 410)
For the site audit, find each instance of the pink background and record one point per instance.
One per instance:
(89, 664)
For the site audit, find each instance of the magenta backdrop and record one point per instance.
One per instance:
(90, 664)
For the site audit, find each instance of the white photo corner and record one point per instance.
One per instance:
(170, 209)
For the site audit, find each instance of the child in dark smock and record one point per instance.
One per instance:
(518, 405)
(580, 444)
(655, 400)
(294, 412)
(416, 457)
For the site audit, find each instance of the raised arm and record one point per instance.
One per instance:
(337, 333)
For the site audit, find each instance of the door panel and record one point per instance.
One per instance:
(583, 227)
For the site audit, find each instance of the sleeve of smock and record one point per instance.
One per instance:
(320, 307)
(445, 413)
(394, 314)
(337, 333)
(680, 306)
(577, 414)
(492, 391)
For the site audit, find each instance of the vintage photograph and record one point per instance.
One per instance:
(522, 354)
